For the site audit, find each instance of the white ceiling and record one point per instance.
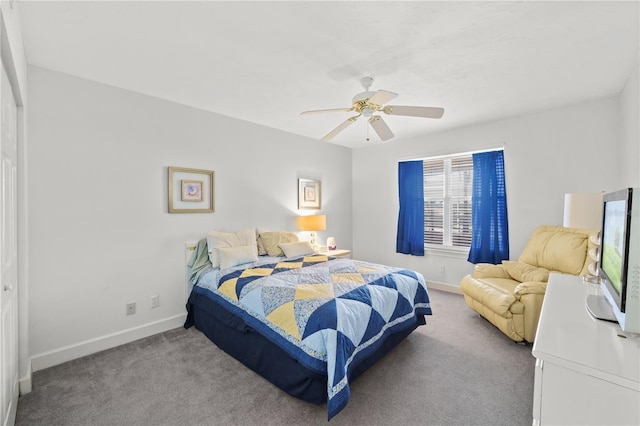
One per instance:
(265, 62)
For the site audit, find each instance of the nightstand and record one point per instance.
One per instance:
(336, 253)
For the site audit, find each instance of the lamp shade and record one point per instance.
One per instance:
(316, 222)
(583, 210)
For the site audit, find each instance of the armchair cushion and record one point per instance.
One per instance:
(496, 293)
(487, 270)
(530, 287)
(522, 272)
(557, 249)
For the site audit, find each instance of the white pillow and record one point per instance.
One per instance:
(232, 256)
(216, 240)
(296, 249)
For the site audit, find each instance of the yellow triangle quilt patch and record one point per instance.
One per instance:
(229, 288)
(284, 318)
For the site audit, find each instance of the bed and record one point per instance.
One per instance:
(308, 323)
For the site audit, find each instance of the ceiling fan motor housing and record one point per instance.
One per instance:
(359, 101)
(366, 82)
(360, 97)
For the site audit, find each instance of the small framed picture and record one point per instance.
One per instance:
(309, 194)
(190, 190)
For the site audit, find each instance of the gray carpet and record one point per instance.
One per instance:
(456, 370)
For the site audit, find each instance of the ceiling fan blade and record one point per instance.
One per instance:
(322, 111)
(380, 127)
(381, 97)
(414, 111)
(340, 128)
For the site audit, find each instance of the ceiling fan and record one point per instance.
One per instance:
(369, 103)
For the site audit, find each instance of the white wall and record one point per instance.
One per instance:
(13, 55)
(629, 99)
(100, 234)
(572, 149)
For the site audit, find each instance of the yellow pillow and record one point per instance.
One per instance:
(272, 241)
(524, 272)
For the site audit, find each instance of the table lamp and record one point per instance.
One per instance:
(312, 223)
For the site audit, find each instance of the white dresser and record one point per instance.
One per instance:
(586, 373)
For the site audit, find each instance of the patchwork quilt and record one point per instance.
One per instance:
(325, 312)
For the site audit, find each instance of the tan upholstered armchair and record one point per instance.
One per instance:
(510, 295)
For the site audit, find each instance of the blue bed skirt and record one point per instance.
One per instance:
(231, 334)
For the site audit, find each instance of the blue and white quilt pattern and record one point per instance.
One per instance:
(325, 312)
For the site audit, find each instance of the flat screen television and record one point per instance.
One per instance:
(619, 268)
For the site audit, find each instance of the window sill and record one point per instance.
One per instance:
(452, 252)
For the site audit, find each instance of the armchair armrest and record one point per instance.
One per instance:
(530, 287)
(488, 270)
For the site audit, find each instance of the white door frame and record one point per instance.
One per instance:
(9, 334)
(15, 65)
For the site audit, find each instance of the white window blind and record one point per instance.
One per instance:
(448, 182)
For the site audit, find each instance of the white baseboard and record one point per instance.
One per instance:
(24, 383)
(444, 287)
(88, 347)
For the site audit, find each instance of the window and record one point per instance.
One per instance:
(448, 184)
(444, 199)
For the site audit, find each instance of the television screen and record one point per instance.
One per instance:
(619, 268)
(613, 240)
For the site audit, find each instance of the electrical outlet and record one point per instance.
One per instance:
(155, 301)
(131, 308)
(442, 268)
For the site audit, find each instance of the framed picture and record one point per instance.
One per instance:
(308, 194)
(190, 190)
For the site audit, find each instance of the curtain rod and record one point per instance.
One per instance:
(431, 157)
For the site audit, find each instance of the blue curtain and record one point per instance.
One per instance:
(490, 229)
(410, 237)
